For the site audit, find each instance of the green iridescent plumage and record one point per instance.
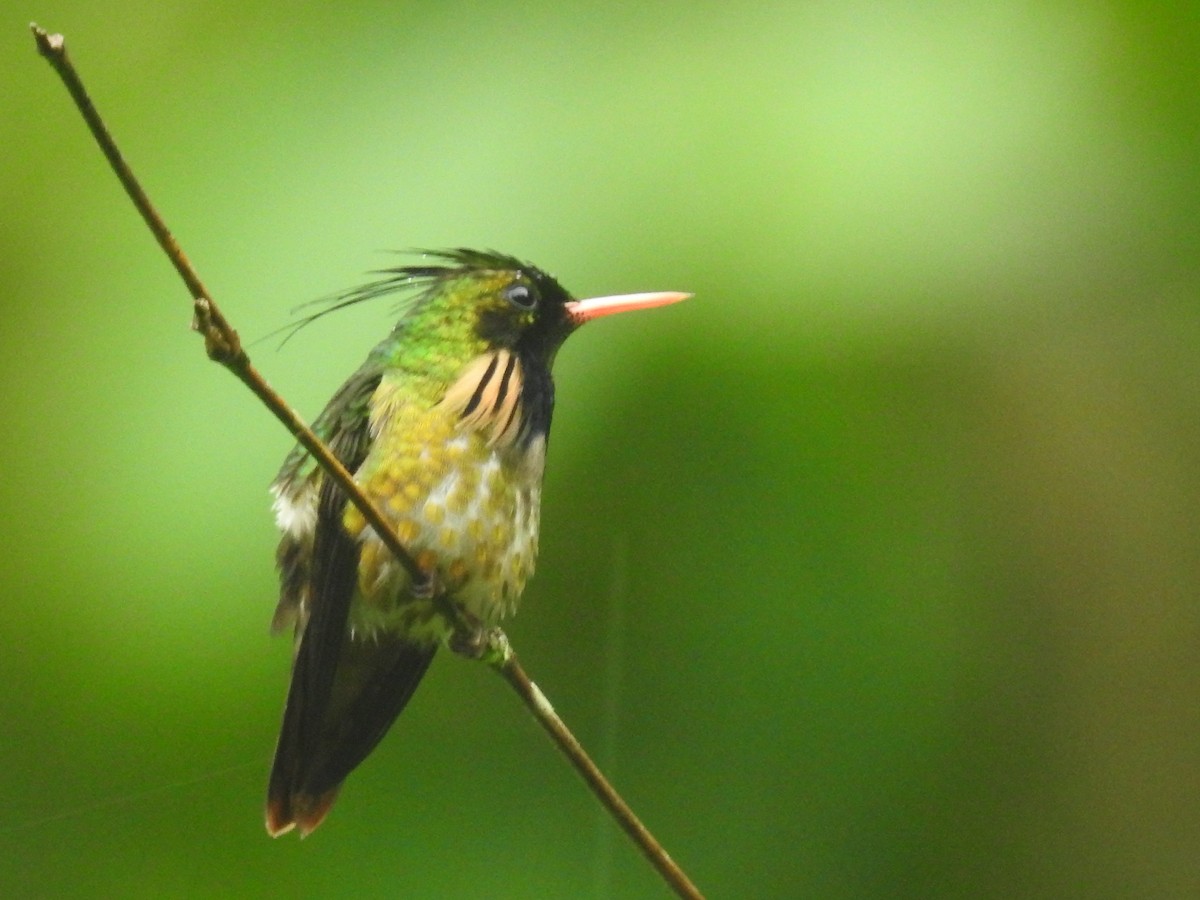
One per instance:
(445, 427)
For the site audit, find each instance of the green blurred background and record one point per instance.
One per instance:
(870, 572)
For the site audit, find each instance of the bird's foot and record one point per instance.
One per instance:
(428, 587)
(474, 641)
(466, 630)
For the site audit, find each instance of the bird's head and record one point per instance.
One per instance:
(484, 302)
(481, 330)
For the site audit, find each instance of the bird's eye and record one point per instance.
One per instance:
(521, 296)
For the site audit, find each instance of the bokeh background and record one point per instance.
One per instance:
(870, 572)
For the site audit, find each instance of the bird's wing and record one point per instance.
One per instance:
(299, 490)
(318, 564)
(345, 691)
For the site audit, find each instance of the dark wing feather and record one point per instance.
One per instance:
(316, 590)
(344, 426)
(334, 573)
(343, 422)
(345, 692)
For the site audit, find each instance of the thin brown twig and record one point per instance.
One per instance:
(492, 646)
(654, 852)
(221, 341)
(224, 346)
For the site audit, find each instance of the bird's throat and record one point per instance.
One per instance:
(489, 397)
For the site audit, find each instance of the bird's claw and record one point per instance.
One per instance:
(473, 641)
(427, 588)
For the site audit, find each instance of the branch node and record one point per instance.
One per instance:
(221, 342)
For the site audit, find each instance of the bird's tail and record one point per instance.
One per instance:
(320, 743)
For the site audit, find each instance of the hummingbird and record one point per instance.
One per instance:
(444, 427)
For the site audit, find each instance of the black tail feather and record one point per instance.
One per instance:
(317, 749)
